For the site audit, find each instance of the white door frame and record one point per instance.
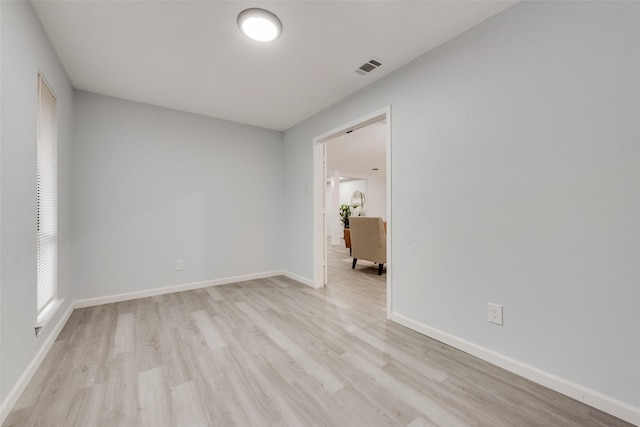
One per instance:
(319, 185)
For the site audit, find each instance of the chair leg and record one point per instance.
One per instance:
(354, 263)
(380, 269)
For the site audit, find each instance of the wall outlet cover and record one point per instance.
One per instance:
(495, 314)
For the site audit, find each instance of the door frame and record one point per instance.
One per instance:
(319, 186)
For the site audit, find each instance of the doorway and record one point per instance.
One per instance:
(380, 117)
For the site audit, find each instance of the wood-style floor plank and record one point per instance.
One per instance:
(273, 352)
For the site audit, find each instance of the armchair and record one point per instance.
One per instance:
(368, 240)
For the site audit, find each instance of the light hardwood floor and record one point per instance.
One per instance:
(273, 352)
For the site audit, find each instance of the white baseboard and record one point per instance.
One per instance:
(170, 289)
(590, 397)
(575, 391)
(186, 287)
(14, 394)
(8, 403)
(300, 279)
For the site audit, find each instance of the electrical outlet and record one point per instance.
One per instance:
(179, 265)
(495, 314)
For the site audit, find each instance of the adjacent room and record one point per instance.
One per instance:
(173, 205)
(356, 185)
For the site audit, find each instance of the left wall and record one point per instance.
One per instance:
(25, 50)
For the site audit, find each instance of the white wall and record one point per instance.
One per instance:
(374, 189)
(347, 188)
(333, 222)
(376, 194)
(154, 185)
(520, 138)
(25, 50)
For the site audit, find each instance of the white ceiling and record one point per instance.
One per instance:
(190, 55)
(356, 154)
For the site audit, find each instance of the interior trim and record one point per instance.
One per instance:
(575, 391)
(14, 394)
(12, 397)
(171, 289)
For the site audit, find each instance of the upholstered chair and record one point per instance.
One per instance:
(368, 240)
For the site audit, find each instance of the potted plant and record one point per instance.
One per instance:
(345, 213)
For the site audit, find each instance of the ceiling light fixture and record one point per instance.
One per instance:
(259, 24)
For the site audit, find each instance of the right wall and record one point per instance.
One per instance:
(515, 180)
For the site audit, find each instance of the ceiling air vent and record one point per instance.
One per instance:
(368, 67)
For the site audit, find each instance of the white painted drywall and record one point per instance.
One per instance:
(154, 185)
(520, 138)
(376, 204)
(347, 188)
(375, 190)
(333, 209)
(25, 50)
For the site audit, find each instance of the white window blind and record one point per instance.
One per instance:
(47, 244)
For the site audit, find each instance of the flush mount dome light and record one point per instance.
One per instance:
(259, 24)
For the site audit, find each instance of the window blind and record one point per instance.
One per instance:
(47, 236)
